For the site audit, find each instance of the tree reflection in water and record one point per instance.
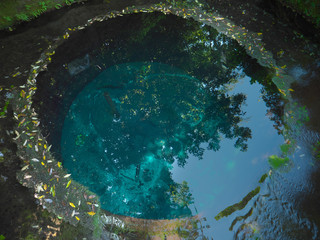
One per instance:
(170, 99)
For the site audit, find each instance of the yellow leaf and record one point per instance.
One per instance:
(249, 48)
(59, 164)
(282, 92)
(41, 197)
(45, 146)
(68, 184)
(284, 66)
(89, 203)
(77, 218)
(291, 90)
(45, 187)
(91, 213)
(44, 157)
(259, 34)
(42, 163)
(22, 93)
(72, 205)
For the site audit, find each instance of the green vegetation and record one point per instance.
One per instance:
(15, 11)
(238, 206)
(277, 162)
(2, 237)
(309, 8)
(263, 178)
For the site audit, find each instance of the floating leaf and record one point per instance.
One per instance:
(77, 218)
(91, 213)
(68, 175)
(291, 90)
(59, 164)
(68, 184)
(259, 34)
(284, 66)
(72, 205)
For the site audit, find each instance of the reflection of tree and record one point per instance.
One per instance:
(154, 116)
(181, 194)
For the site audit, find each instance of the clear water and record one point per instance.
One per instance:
(165, 120)
(145, 138)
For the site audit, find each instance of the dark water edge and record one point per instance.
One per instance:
(32, 39)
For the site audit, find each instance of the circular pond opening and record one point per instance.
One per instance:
(160, 116)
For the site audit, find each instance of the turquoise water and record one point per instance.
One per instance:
(151, 142)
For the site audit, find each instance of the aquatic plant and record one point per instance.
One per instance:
(238, 206)
(277, 162)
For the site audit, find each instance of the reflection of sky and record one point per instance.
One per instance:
(223, 178)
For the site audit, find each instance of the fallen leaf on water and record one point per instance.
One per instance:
(72, 205)
(259, 34)
(77, 218)
(284, 66)
(68, 175)
(91, 213)
(27, 176)
(59, 164)
(35, 160)
(291, 90)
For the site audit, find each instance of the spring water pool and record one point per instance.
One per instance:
(164, 119)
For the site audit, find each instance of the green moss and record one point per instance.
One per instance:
(238, 206)
(277, 162)
(15, 11)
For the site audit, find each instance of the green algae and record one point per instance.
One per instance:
(238, 206)
(263, 178)
(277, 162)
